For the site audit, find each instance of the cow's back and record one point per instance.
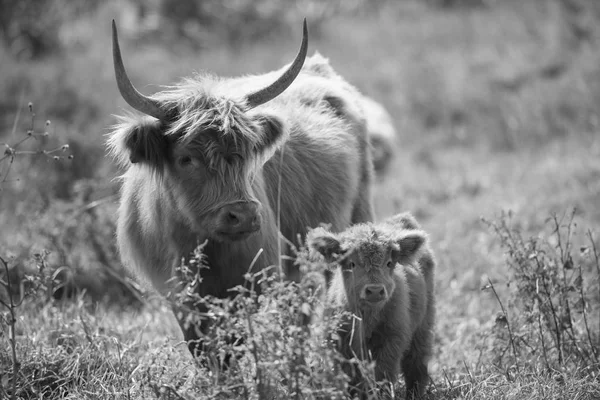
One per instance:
(323, 166)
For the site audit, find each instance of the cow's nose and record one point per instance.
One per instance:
(239, 219)
(374, 293)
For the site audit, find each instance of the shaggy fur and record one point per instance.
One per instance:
(382, 134)
(294, 151)
(380, 126)
(394, 257)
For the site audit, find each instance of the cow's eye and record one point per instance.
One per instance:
(390, 264)
(349, 265)
(185, 161)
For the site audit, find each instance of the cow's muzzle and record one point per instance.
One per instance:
(238, 221)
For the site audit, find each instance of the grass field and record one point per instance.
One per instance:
(497, 112)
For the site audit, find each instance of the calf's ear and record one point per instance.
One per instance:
(325, 243)
(408, 245)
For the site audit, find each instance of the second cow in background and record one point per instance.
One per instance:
(380, 127)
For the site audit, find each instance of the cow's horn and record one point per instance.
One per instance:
(285, 80)
(135, 99)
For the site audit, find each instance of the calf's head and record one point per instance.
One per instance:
(367, 255)
(202, 146)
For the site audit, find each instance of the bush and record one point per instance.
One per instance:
(552, 320)
(264, 335)
(70, 218)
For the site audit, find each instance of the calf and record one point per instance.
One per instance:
(385, 278)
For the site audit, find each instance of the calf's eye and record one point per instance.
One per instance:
(390, 264)
(185, 161)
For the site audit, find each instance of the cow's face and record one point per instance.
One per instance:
(367, 257)
(206, 143)
(207, 162)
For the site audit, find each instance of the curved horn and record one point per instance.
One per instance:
(284, 81)
(135, 99)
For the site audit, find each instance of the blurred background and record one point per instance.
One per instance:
(495, 104)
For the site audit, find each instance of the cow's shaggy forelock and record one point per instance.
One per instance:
(197, 109)
(212, 125)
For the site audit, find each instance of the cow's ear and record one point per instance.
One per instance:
(146, 143)
(272, 130)
(325, 243)
(319, 65)
(402, 221)
(407, 246)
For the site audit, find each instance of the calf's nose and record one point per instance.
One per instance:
(374, 293)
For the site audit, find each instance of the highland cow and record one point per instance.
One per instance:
(384, 279)
(236, 163)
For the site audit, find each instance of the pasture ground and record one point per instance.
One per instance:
(497, 112)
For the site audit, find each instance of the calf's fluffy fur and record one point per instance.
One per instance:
(384, 276)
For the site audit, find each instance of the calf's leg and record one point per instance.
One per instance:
(414, 364)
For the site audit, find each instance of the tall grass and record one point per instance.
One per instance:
(553, 318)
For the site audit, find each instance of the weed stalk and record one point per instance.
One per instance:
(11, 306)
(510, 333)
